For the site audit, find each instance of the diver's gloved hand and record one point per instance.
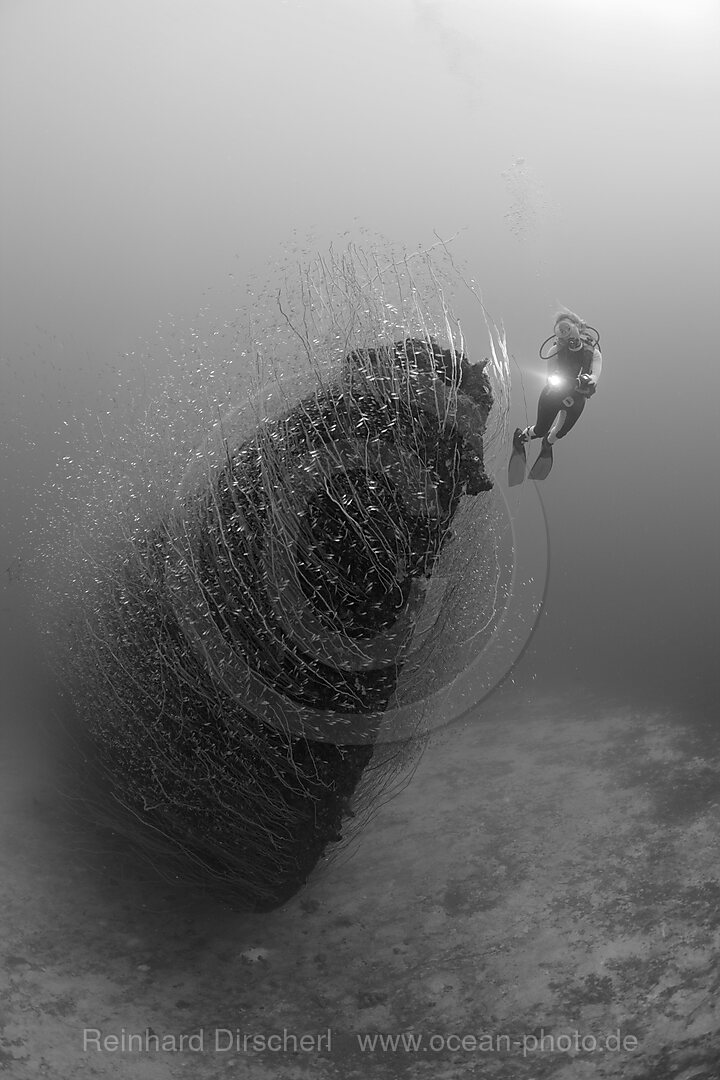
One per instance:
(587, 385)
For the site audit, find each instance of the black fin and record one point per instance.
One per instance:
(544, 462)
(518, 460)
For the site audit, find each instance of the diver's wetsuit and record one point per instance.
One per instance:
(569, 366)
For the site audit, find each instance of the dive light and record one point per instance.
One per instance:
(583, 385)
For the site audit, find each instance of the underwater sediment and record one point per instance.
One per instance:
(235, 668)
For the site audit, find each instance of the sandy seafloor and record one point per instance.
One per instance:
(551, 869)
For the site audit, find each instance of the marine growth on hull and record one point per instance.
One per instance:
(234, 665)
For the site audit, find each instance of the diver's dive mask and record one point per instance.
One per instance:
(568, 334)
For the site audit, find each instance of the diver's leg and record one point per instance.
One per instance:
(566, 419)
(556, 426)
(552, 419)
(572, 415)
(548, 407)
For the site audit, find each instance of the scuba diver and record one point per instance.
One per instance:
(574, 364)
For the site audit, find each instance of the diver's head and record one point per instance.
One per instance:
(568, 333)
